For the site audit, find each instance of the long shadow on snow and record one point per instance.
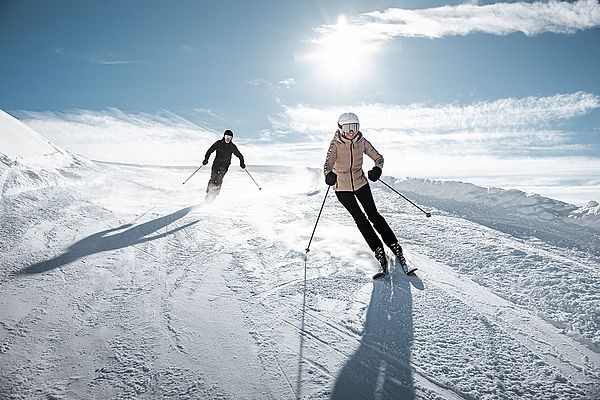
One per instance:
(381, 366)
(102, 241)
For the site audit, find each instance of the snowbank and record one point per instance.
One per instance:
(29, 161)
(19, 141)
(509, 201)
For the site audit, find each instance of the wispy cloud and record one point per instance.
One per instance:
(102, 61)
(257, 82)
(210, 113)
(271, 86)
(95, 58)
(528, 124)
(502, 113)
(497, 19)
(287, 82)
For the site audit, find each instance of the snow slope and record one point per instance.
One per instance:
(19, 141)
(29, 161)
(126, 285)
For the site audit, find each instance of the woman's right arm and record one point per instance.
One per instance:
(330, 159)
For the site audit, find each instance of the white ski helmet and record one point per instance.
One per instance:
(347, 118)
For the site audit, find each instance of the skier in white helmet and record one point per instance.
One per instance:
(343, 170)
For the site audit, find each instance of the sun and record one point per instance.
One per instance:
(343, 55)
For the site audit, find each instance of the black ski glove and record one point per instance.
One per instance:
(374, 174)
(204, 162)
(331, 178)
(242, 165)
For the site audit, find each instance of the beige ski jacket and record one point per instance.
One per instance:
(345, 158)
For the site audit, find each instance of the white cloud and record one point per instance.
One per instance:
(95, 58)
(508, 116)
(287, 82)
(270, 86)
(210, 113)
(258, 82)
(497, 19)
(112, 135)
(102, 61)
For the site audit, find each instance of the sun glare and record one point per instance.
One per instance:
(343, 55)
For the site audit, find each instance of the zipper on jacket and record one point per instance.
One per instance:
(351, 164)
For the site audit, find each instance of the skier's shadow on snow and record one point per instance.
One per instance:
(381, 366)
(102, 241)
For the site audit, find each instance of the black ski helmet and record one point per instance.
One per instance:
(228, 133)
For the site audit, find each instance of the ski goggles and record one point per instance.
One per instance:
(347, 128)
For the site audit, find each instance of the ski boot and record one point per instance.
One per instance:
(383, 263)
(397, 250)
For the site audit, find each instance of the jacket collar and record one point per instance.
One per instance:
(341, 138)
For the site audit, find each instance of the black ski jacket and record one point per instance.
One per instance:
(224, 152)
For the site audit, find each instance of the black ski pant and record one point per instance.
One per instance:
(218, 172)
(348, 200)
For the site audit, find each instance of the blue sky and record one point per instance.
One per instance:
(508, 82)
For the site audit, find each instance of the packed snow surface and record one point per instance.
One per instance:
(117, 281)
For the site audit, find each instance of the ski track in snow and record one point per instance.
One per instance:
(186, 300)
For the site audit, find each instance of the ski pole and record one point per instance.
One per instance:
(259, 188)
(404, 197)
(193, 174)
(315, 228)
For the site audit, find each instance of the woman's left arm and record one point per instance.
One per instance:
(374, 154)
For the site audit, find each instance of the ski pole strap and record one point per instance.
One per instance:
(405, 198)
(259, 188)
(318, 217)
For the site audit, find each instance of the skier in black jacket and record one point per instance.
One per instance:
(225, 148)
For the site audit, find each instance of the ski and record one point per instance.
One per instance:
(379, 274)
(411, 271)
(408, 270)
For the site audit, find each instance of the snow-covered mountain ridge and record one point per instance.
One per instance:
(511, 201)
(19, 141)
(29, 161)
